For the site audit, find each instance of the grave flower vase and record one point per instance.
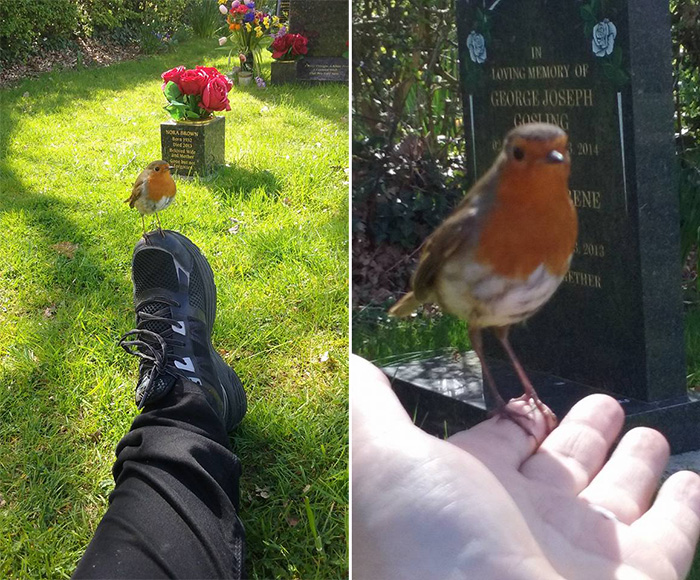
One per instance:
(193, 147)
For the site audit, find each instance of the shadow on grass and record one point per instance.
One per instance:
(232, 180)
(306, 98)
(42, 471)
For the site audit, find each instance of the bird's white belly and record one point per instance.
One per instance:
(473, 292)
(146, 205)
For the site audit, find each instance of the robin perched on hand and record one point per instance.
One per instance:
(505, 249)
(154, 190)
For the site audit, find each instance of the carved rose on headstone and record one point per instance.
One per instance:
(604, 34)
(477, 47)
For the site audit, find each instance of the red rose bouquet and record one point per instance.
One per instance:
(193, 94)
(289, 46)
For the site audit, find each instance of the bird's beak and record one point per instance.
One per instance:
(555, 156)
(171, 168)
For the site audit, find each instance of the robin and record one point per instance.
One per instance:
(503, 252)
(154, 190)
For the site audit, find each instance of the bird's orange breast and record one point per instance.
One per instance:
(160, 185)
(531, 222)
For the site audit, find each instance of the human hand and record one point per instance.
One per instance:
(494, 502)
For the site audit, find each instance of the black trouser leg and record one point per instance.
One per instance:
(173, 511)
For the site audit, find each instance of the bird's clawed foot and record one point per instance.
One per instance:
(525, 412)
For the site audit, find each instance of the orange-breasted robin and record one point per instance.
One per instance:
(502, 253)
(154, 190)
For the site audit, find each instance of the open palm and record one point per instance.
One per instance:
(493, 502)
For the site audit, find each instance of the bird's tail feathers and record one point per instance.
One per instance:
(405, 306)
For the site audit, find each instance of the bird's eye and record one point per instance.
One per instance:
(157, 168)
(518, 153)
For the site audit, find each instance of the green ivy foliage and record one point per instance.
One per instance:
(23, 22)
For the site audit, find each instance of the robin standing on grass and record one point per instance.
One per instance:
(506, 248)
(154, 190)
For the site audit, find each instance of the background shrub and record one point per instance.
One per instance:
(205, 18)
(30, 26)
(24, 22)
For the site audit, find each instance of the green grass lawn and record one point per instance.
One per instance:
(273, 224)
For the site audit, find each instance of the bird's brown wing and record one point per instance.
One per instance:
(136, 190)
(459, 232)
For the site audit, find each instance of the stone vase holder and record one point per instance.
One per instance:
(284, 71)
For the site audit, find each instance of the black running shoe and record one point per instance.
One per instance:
(175, 302)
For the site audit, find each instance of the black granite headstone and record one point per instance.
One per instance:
(193, 147)
(325, 24)
(602, 71)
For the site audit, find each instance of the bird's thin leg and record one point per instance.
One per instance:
(477, 344)
(530, 393)
(520, 419)
(160, 229)
(143, 224)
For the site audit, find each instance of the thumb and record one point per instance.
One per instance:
(375, 408)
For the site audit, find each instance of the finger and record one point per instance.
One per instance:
(575, 451)
(627, 483)
(512, 442)
(673, 522)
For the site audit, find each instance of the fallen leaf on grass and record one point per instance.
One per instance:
(66, 249)
(306, 488)
(50, 311)
(234, 230)
(292, 521)
(324, 357)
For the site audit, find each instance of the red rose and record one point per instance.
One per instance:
(280, 46)
(173, 74)
(298, 43)
(210, 71)
(192, 82)
(289, 45)
(215, 95)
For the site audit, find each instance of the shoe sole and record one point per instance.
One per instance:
(236, 397)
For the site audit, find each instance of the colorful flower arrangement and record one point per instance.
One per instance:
(251, 30)
(289, 46)
(193, 94)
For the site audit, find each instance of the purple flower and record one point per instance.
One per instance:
(260, 82)
(250, 5)
(281, 32)
(249, 17)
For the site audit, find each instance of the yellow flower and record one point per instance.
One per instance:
(275, 19)
(258, 32)
(266, 21)
(248, 27)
